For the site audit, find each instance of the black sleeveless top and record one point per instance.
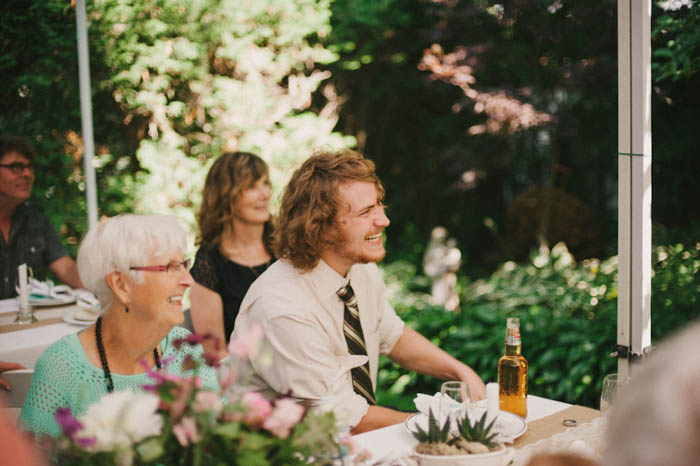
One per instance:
(231, 280)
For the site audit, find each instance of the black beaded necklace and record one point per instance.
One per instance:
(103, 355)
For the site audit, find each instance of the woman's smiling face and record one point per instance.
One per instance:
(160, 293)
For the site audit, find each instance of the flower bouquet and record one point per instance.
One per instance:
(177, 422)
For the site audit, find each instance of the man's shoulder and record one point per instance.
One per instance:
(280, 272)
(31, 217)
(277, 290)
(30, 210)
(366, 275)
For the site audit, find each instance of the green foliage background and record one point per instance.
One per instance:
(176, 83)
(568, 320)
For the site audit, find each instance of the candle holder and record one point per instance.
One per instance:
(25, 315)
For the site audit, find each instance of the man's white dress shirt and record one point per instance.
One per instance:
(302, 317)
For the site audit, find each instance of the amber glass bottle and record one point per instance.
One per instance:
(512, 372)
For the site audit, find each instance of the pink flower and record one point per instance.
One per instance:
(182, 396)
(256, 408)
(186, 431)
(206, 400)
(247, 344)
(286, 414)
(233, 415)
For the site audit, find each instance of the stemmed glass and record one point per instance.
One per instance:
(454, 399)
(612, 383)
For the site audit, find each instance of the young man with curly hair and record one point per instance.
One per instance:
(323, 305)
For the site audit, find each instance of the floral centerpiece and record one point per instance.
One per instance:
(177, 422)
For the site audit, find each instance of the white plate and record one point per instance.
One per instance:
(69, 318)
(509, 424)
(49, 301)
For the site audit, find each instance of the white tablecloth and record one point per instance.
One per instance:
(25, 346)
(395, 441)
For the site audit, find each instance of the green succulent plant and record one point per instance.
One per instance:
(478, 431)
(435, 433)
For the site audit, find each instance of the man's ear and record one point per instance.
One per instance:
(119, 284)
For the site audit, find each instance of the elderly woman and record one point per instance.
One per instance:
(234, 231)
(135, 266)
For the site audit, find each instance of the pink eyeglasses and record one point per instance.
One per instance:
(170, 269)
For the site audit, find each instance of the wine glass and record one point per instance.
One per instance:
(454, 398)
(612, 383)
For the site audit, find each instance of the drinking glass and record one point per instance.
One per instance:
(612, 383)
(454, 399)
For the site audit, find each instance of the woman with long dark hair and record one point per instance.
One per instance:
(234, 235)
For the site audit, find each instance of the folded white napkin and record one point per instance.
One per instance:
(87, 299)
(39, 289)
(425, 403)
(62, 292)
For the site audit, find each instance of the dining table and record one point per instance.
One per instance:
(24, 344)
(552, 426)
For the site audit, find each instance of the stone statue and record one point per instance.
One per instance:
(440, 263)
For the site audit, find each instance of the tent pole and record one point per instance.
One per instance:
(634, 182)
(86, 113)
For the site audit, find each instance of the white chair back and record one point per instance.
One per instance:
(20, 381)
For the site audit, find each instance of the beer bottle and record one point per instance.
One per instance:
(512, 372)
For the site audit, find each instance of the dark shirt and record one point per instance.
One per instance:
(230, 279)
(33, 241)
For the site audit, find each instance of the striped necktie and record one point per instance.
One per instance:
(361, 381)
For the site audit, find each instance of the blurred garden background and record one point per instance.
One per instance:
(495, 120)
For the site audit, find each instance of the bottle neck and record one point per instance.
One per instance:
(513, 350)
(513, 344)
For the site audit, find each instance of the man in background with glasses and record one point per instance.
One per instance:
(26, 234)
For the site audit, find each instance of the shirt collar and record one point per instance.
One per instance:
(326, 280)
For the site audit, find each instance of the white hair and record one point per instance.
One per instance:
(122, 242)
(656, 418)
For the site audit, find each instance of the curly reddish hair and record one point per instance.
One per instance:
(306, 224)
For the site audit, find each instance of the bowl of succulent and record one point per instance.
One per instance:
(470, 444)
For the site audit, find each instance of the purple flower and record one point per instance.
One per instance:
(150, 388)
(211, 358)
(85, 442)
(160, 376)
(67, 421)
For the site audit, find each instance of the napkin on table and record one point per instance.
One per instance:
(39, 289)
(87, 299)
(424, 403)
